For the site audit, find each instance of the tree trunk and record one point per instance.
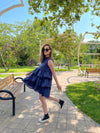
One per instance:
(6, 69)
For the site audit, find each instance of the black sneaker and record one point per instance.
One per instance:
(44, 119)
(61, 102)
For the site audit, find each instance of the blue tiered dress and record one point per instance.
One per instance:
(40, 79)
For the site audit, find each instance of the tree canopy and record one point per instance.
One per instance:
(62, 12)
(20, 42)
(66, 43)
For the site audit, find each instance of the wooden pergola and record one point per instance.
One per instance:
(81, 42)
(12, 7)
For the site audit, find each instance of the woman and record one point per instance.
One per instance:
(41, 80)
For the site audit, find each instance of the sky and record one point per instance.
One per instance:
(21, 14)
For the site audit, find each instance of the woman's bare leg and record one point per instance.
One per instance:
(54, 99)
(61, 102)
(44, 104)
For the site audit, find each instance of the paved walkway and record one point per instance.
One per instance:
(28, 110)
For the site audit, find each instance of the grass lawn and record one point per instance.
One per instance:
(62, 69)
(86, 98)
(6, 75)
(23, 69)
(19, 69)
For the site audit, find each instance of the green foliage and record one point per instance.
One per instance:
(58, 57)
(90, 48)
(66, 43)
(6, 46)
(20, 42)
(61, 12)
(86, 98)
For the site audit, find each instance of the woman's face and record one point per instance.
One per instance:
(46, 51)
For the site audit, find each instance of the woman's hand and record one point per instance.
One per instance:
(59, 87)
(27, 74)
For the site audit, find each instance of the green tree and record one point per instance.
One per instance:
(21, 42)
(6, 47)
(62, 12)
(35, 33)
(58, 58)
(66, 43)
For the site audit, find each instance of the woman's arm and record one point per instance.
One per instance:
(51, 66)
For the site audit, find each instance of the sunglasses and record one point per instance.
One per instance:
(46, 49)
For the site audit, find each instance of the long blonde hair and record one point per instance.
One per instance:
(42, 56)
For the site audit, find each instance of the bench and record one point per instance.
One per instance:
(92, 70)
(9, 89)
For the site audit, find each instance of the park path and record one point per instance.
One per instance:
(28, 109)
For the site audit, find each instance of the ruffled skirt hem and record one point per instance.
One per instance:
(44, 91)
